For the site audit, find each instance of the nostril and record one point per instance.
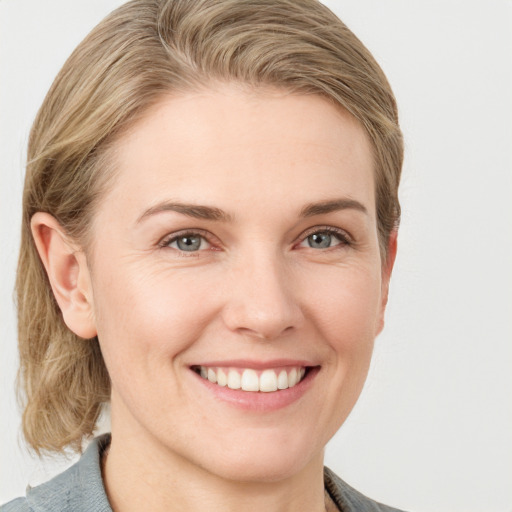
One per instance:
(263, 312)
(266, 334)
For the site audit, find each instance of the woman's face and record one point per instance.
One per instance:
(238, 244)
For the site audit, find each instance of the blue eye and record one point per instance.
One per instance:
(188, 242)
(320, 240)
(325, 239)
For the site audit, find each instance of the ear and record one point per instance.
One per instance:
(387, 268)
(68, 273)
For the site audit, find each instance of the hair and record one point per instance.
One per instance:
(141, 51)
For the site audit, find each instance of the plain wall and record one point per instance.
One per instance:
(432, 431)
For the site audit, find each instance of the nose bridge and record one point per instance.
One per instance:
(261, 300)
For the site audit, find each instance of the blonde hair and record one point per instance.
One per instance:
(142, 50)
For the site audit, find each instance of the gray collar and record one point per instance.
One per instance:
(78, 489)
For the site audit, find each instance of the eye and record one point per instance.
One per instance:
(187, 242)
(325, 239)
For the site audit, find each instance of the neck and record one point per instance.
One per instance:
(140, 475)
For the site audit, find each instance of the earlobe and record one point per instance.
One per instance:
(68, 274)
(387, 269)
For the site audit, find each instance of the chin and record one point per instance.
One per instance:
(263, 461)
(260, 471)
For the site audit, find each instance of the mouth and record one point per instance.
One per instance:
(257, 386)
(267, 380)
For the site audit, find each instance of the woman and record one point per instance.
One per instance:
(210, 218)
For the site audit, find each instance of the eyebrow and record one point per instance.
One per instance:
(190, 210)
(332, 205)
(216, 214)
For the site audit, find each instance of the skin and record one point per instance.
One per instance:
(255, 290)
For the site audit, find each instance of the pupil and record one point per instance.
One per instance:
(189, 243)
(321, 240)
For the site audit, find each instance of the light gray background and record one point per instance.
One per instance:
(432, 431)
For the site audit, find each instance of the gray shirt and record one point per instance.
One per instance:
(80, 489)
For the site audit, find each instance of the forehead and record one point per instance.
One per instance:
(246, 146)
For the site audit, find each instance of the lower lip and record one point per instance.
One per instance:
(260, 401)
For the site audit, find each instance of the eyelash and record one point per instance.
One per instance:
(167, 241)
(343, 237)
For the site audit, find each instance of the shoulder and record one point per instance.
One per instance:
(79, 488)
(348, 499)
(17, 505)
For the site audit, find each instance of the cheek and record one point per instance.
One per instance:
(147, 318)
(347, 309)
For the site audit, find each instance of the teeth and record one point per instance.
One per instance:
(248, 379)
(222, 378)
(234, 381)
(268, 381)
(282, 380)
(292, 378)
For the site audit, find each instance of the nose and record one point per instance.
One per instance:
(262, 300)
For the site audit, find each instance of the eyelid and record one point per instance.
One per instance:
(164, 242)
(341, 233)
(169, 238)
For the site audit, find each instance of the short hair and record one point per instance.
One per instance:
(140, 52)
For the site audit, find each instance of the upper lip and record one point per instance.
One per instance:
(257, 364)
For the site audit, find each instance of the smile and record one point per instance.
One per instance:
(248, 379)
